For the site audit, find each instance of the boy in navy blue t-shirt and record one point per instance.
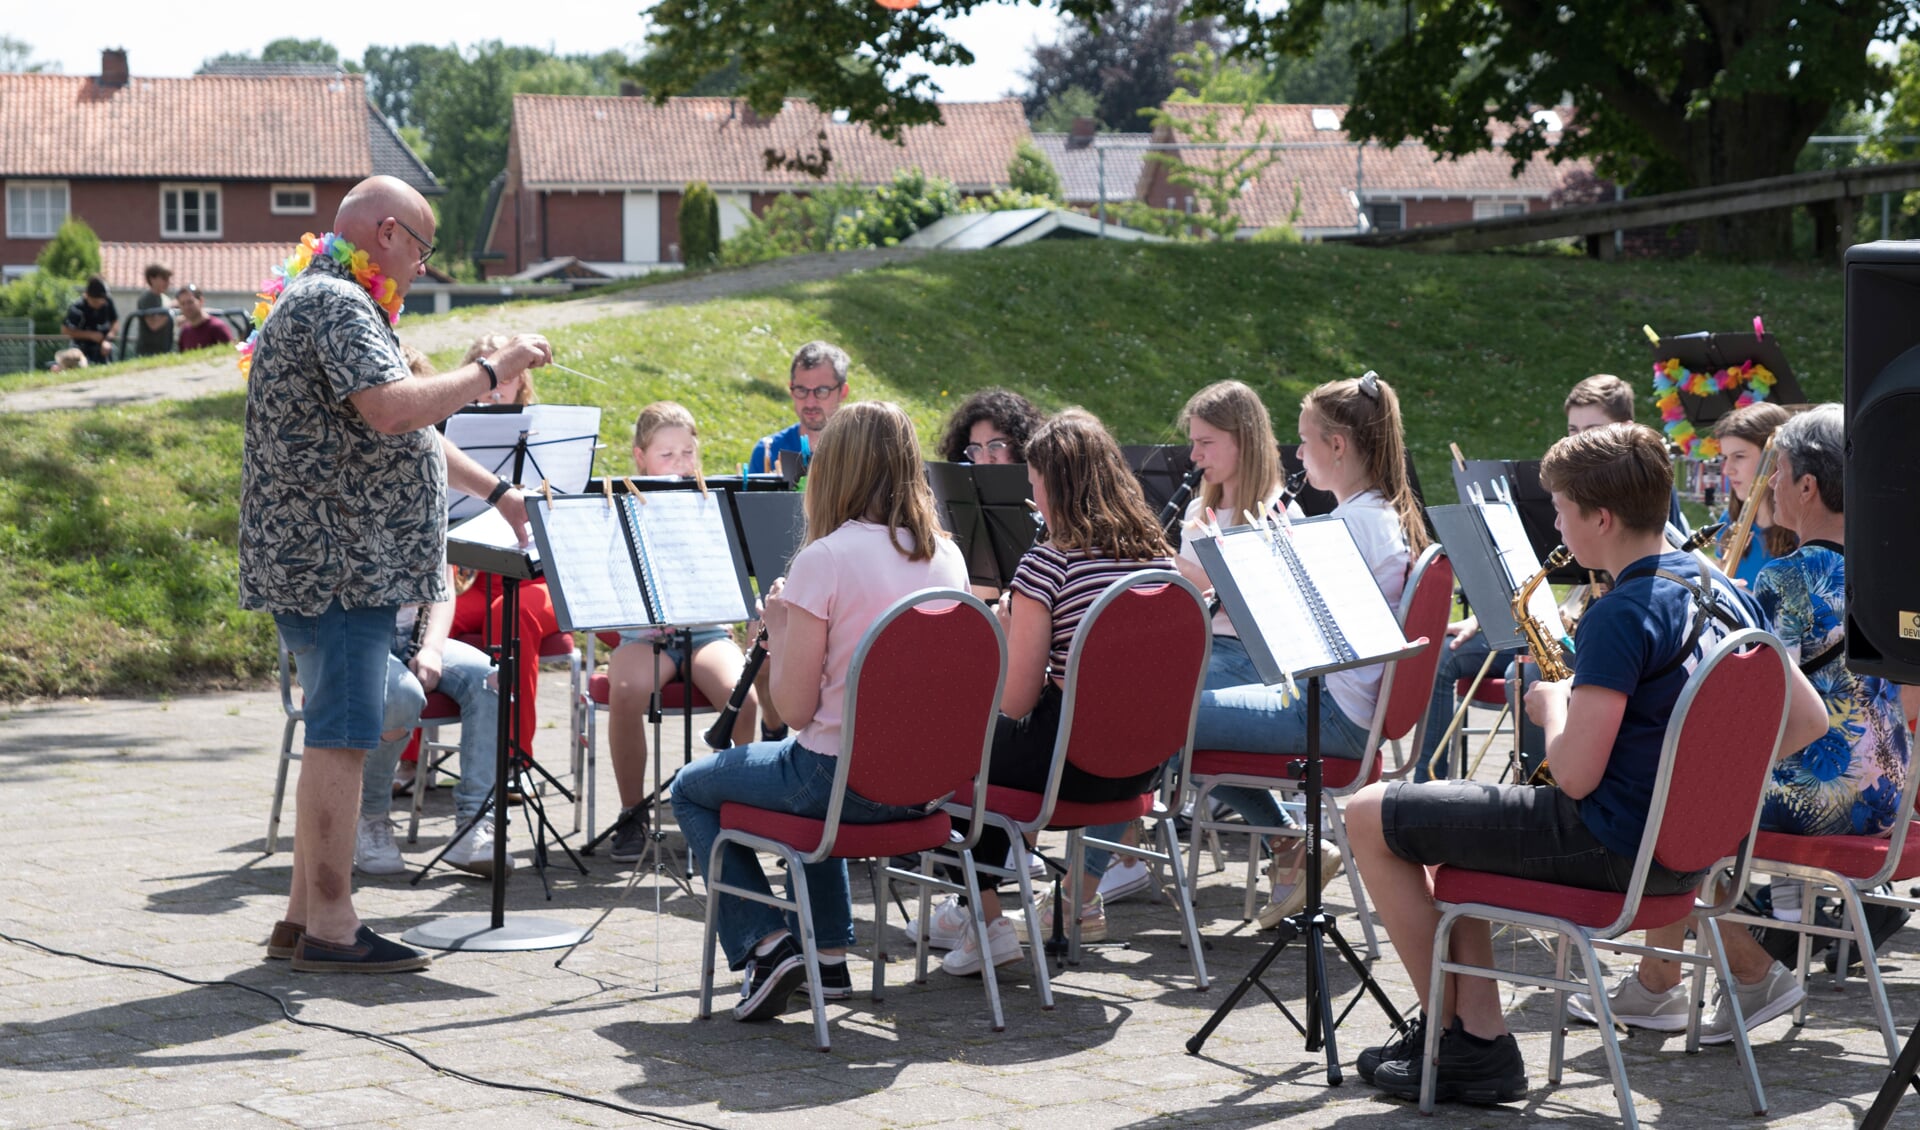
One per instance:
(1634, 651)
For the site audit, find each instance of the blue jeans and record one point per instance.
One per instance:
(338, 657)
(464, 671)
(782, 776)
(1239, 712)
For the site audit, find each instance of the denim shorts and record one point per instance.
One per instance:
(1527, 832)
(340, 657)
(676, 654)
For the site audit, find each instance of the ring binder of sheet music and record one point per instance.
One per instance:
(647, 559)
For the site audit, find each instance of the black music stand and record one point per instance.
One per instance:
(1899, 1078)
(494, 932)
(534, 443)
(984, 506)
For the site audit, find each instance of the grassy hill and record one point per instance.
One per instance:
(117, 525)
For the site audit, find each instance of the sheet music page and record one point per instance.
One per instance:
(1353, 598)
(1516, 553)
(560, 445)
(1280, 612)
(683, 539)
(489, 437)
(589, 566)
(489, 528)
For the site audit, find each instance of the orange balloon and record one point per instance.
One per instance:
(898, 5)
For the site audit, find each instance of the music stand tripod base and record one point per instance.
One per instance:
(477, 933)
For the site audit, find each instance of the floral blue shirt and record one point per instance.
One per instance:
(1848, 782)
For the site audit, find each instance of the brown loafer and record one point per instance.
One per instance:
(284, 940)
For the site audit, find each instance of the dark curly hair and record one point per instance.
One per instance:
(1014, 415)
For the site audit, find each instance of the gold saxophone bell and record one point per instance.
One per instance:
(1542, 645)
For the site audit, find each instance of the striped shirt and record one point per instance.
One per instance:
(1066, 583)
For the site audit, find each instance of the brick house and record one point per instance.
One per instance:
(593, 183)
(1339, 182)
(1089, 161)
(161, 168)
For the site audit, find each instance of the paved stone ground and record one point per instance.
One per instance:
(215, 373)
(135, 831)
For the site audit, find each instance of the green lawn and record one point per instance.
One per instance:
(117, 525)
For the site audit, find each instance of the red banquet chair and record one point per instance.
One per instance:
(591, 691)
(1720, 744)
(922, 695)
(1119, 717)
(1401, 709)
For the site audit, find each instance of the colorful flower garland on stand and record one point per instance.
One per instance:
(384, 288)
(1753, 381)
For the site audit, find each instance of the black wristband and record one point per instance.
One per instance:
(499, 488)
(493, 374)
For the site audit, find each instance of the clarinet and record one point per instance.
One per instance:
(720, 734)
(1290, 489)
(1170, 513)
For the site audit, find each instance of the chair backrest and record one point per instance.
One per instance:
(1134, 674)
(1407, 686)
(923, 693)
(1720, 745)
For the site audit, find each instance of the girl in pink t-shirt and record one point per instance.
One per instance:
(872, 538)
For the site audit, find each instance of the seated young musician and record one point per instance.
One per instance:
(1099, 529)
(1848, 782)
(665, 442)
(991, 426)
(1742, 434)
(1604, 730)
(872, 538)
(1351, 444)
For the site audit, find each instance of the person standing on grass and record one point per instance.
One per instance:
(342, 520)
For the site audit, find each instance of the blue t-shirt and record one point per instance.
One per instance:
(1756, 558)
(766, 453)
(1621, 644)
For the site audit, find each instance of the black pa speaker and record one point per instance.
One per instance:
(1883, 459)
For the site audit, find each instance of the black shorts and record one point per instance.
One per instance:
(1524, 831)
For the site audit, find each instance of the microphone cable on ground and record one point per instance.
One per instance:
(286, 1013)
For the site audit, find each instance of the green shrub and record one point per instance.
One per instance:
(43, 299)
(843, 217)
(72, 253)
(1007, 200)
(699, 226)
(1030, 172)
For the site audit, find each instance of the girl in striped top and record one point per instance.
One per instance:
(1099, 529)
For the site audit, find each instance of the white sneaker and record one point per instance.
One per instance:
(374, 852)
(1777, 993)
(947, 924)
(1637, 1006)
(474, 851)
(1001, 942)
(1093, 920)
(1125, 879)
(1036, 866)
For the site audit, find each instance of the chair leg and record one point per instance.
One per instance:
(988, 973)
(1436, 992)
(1184, 900)
(1557, 1046)
(1076, 870)
(593, 733)
(1036, 942)
(1609, 1039)
(287, 757)
(1709, 939)
(921, 923)
(710, 937)
(1254, 840)
(1361, 909)
(1856, 917)
(809, 944)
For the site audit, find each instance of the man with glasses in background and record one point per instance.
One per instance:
(817, 382)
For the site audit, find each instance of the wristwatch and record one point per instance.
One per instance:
(500, 487)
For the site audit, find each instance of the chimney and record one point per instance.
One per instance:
(1081, 135)
(113, 67)
(630, 88)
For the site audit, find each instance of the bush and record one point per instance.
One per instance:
(1008, 200)
(43, 299)
(699, 226)
(1030, 172)
(72, 253)
(843, 217)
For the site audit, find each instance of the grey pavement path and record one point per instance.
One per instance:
(135, 831)
(216, 373)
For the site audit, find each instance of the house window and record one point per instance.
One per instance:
(190, 211)
(1493, 209)
(1386, 215)
(292, 199)
(35, 209)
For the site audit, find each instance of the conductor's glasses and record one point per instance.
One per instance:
(801, 392)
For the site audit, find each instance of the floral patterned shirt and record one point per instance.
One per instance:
(331, 509)
(1847, 782)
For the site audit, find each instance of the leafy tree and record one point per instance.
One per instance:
(73, 253)
(1216, 176)
(464, 113)
(699, 225)
(1124, 57)
(42, 299)
(1064, 108)
(286, 50)
(16, 57)
(1030, 172)
(395, 75)
(842, 217)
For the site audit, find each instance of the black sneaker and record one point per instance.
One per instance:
(629, 836)
(836, 982)
(773, 733)
(1410, 1043)
(369, 953)
(771, 980)
(1469, 1072)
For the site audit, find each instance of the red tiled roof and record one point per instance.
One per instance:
(1325, 176)
(281, 128)
(606, 141)
(240, 267)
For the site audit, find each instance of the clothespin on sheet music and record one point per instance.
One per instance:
(1759, 327)
(1475, 495)
(766, 454)
(606, 488)
(1259, 526)
(640, 496)
(700, 480)
(546, 489)
(1212, 526)
(1502, 491)
(1651, 336)
(1459, 460)
(1289, 690)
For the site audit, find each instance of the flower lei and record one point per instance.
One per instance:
(1754, 382)
(384, 288)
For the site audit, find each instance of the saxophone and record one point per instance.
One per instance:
(1735, 547)
(1542, 644)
